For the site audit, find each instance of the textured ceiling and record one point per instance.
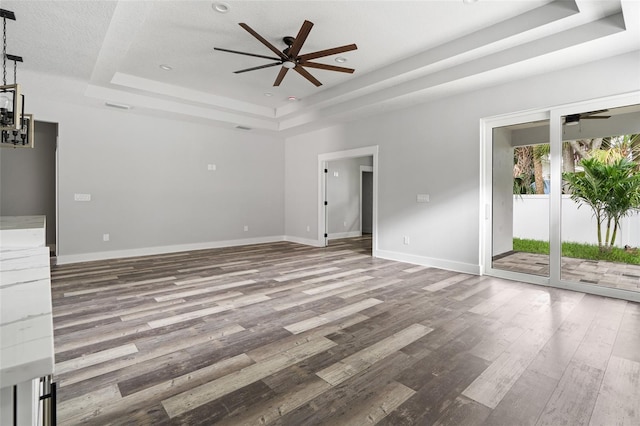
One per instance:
(408, 51)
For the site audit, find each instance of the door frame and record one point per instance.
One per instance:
(554, 114)
(486, 192)
(323, 159)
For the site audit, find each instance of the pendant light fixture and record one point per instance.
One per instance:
(16, 126)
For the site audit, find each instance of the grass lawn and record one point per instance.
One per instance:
(578, 251)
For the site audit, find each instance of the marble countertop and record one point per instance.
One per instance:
(22, 222)
(22, 231)
(26, 319)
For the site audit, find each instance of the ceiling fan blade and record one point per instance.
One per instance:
(327, 52)
(258, 68)
(305, 29)
(245, 53)
(327, 67)
(308, 76)
(280, 76)
(587, 114)
(263, 41)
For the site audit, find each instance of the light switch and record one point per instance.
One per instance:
(82, 197)
(211, 167)
(336, 174)
(422, 198)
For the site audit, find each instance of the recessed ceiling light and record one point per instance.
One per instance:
(221, 7)
(268, 94)
(341, 59)
(166, 67)
(469, 1)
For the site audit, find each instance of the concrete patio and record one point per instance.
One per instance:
(607, 274)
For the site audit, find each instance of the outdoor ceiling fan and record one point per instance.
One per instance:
(573, 119)
(289, 58)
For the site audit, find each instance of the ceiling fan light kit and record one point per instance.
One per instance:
(290, 58)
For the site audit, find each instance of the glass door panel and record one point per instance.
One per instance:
(520, 198)
(600, 226)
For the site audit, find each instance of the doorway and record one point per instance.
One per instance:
(366, 199)
(343, 217)
(28, 180)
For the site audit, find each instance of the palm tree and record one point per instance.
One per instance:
(539, 153)
(588, 187)
(624, 196)
(523, 169)
(611, 189)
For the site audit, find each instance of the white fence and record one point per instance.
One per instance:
(531, 221)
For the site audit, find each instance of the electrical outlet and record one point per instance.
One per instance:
(308, 228)
(105, 237)
(211, 167)
(246, 228)
(344, 224)
(406, 240)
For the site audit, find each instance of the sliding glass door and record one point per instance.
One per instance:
(561, 197)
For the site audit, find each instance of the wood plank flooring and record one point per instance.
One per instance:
(294, 335)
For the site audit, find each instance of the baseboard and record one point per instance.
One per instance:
(305, 241)
(449, 265)
(339, 235)
(148, 251)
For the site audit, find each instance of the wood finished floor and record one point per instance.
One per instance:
(294, 335)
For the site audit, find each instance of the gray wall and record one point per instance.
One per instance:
(343, 195)
(28, 178)
(433, 148)
(148, 179)
(150, 186)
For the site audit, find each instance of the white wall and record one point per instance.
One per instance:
(531, 221)
(343, 195)
(148, 179)
(434, 148)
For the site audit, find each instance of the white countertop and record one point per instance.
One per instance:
(22, 231)
(26, 319)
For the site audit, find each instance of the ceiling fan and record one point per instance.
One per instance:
(289, 58)
(573, 119)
